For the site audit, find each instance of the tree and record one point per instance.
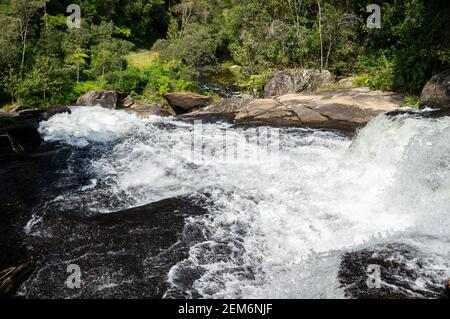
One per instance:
(320, 34)
(24, 11)
(45, 76)
(77, 60)
(9, 56)
(108, 56)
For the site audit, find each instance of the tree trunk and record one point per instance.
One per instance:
(78, 73)
(320, 35)
(24, 31)
(329, 52)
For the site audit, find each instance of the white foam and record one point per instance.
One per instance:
(287, 225)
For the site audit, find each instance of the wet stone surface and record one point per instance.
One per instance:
(404, 274)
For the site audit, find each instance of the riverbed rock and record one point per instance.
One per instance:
(436, 93)
(12, 277)
(183, 101)
(332, 109)
(390, 271)
(107, 99)
(230, 105)
(267, 111)
(19, 130)
(147, 111)
(304, 80)
(58, 109)
(123, 254)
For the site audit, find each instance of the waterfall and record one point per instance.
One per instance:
(278, 222)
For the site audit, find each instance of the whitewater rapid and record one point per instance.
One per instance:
(281, 212)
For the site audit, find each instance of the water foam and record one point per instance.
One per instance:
(274, 233)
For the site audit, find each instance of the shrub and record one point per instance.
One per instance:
(83, 87)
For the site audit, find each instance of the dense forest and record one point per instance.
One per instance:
(232, 43)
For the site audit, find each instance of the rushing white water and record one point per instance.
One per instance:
(280, 220)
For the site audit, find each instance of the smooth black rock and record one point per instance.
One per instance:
(400, 267)
(126, 254)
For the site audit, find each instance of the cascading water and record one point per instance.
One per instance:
(278, 223)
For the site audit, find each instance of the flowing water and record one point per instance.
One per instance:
(281, 216)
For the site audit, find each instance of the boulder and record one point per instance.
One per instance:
(107, 99)
(436, 93)
(305, 80)
(281, 83)
(309, 80)
(183, 102)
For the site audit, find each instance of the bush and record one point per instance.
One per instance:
(82, 88)
(378, 72)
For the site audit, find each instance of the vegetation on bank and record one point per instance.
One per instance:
(151, 47)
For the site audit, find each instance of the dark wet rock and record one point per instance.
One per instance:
(19, 132)
(107, 99)
(30, 113)
(447, 289)
(437, 113)
(183, 102)
(405, 273)
(29, 180)
(126, 254)
(436, 93)
(8, 145)
(12, 277)
(58, 109)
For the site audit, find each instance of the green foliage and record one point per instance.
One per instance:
(84, 87)
(379, 72)
(109, 56)
(412, 101)
(236, 44)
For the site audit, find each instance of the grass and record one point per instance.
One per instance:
(412, 101)
(142, 59)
